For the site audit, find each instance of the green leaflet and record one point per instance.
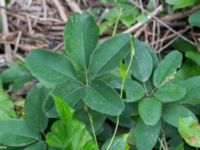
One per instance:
(167, 68)
(103, 98)
(80, 37)
(69, 133)
(173, 112)
(16, 133)
(6, 105)
(70, 91)
(192, 86)
(150, 110)
(142, 62)
(119, 143)
(149, 133)
(134, 90)
(194, 19)
(108, 55)
(34, 116)
(41, 145)
(189, 129)
(50, 68)
(170, 93)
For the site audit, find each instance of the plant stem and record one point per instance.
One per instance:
(92, 126)
(145, 88)
(121, 91)
(117, 22)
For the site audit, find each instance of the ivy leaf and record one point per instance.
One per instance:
(167, 68)
(173, 112)
(103, 98)
(119, 143)
(34, 116)
(194, 19)
(50, 68)
(149, 133)
(16, 133)
(80, 37)
(109, 54)
(69, 133)
(192, 86)
(189, 129)
(150, 110)
(170, 93)
(142, 63)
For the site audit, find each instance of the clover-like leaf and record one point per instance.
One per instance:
(173, 112)
(189, 129)
(80, 37)
(109, 54)
(50, 68)
(170, 93)
(166, 70)
(143, 62)
(149, 133)
(150, 110)
(102, 98)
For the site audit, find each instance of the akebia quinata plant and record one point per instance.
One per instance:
(115, 95)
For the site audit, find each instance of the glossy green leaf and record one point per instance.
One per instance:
(70, 91)
(166, 70)
(119, 143)
(16, 133)
(80, 36)
(109, 54)
(193, 87)
(102, 98)
(189, 129)
(34, 116)
(170, 93)
(142, 63)
(50, 68)
(178, 4)
(134, 91)
(149, 134)
(150, 110)
(173, 112)
(41, 145)
(194, 19)
(69, 133)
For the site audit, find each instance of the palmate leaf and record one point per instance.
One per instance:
(69, 133)
(102, 98)
(50, 68)
(80, 37)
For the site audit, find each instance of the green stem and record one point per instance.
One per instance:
(92, 126)
(117, 22)
(121, 91)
